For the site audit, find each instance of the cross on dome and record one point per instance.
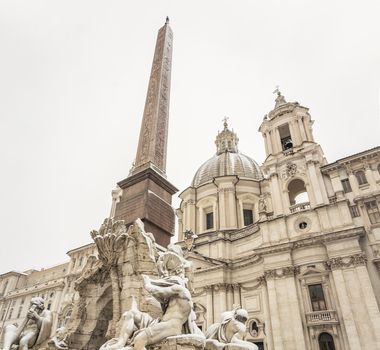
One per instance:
(280, 100)
(225, 124)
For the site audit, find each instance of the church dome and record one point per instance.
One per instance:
(227, 161)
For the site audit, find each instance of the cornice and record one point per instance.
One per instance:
(150, 174)
(343, 162)
(36, 288)
(313, 239)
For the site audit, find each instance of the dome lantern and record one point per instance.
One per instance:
(227, 140)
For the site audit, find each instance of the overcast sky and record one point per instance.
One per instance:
(73, 80)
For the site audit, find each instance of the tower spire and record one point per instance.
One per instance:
(152, 147)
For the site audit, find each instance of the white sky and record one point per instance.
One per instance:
(73, 79)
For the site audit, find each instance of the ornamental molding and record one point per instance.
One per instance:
(188, 202)
(56, 285)
(291, 169)
(289, 271)
(226, 189)
(322, 238)
(345, 262)
(227, 236)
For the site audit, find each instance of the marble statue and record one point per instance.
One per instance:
(138, 329)
(34, 330)
(59, 340)
(230, 331)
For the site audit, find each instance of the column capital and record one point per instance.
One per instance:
(345, 262)
(283, 272)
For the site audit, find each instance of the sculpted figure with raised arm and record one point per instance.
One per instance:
(139, 329)
(34, 330)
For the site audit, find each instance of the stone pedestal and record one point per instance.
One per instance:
(147, 195)
(181, 342)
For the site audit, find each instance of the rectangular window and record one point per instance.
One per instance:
(354, 211)
(373, 212)
(346, 186)
(248, 217)
(360, 176)
(317, 297)
(209, 221)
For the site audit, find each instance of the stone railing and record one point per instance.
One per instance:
(321, 317)
(299, 207)
(332, 199)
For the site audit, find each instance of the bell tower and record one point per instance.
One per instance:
(293, 158)
(287, 128)
(146, 193)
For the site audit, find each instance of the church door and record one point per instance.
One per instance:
(326, 342)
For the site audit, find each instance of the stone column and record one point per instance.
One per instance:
(295, 313)
(236, 294)
(209, 306)
(201, 220)
(230, 296)
(266, 144)
(369, 301)
(216, 302)
(309, 133)
(370, 177)
(357, 301)
(348, 317)
(353, 181)
(337, 185)
(192, 211)
(296, 127)
(222, 298)
(222, 208)
(216, 216)
(232, 208)
(274, 315)
(293, 134)
(277, 200)
(277, 140)
(314, 182)
(302, 129)
(270, 144)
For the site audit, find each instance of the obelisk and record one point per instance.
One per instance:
(146, 194)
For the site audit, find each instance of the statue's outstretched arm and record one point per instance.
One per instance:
(160, 292)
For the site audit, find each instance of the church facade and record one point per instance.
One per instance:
(295, 241)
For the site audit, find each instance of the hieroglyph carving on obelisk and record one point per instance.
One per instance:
(151, 151)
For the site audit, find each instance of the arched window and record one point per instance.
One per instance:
(254, 328)
(378, 169)
(297, 192)
(360, 176)
(326, 342)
